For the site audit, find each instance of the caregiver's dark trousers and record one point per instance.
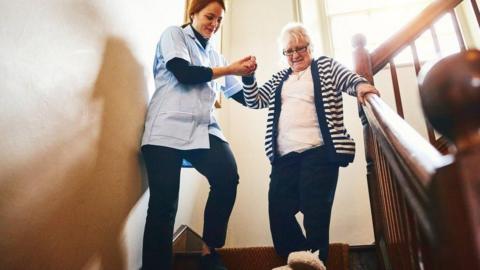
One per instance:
(163, 164)
(304, 182)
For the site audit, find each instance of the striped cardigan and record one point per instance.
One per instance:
(330, 79)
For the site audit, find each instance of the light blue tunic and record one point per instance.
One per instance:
(181, 116)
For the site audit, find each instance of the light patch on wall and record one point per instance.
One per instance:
(72, 106)
(475, 82)
(94, 263)
(44, 67)
(141, 21)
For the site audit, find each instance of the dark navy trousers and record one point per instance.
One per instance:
(163, 165)
(302, 182)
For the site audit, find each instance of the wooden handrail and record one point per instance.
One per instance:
(419, 197)
(413, 160)
(418, 154)
(440, 191)
(382, 55)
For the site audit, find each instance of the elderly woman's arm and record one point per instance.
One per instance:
(350, 82)
(257, 97)
(251, 93)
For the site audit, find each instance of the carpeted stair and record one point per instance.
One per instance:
(258, 258)
(265, 258)
(187, 245)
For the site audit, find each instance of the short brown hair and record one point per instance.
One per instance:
(197, 5)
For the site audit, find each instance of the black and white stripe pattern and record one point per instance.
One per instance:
(332, 79)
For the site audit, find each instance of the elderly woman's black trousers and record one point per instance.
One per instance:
(302, 182)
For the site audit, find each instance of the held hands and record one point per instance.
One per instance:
(244, 67)
(364, 89)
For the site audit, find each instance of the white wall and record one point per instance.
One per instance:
(469, 24)
(75, 77)
(409, 95)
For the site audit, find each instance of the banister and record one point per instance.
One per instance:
(450, 96)
(420, 198)
(382, 55)
(413, 160)
(441, 191)
(412, 148)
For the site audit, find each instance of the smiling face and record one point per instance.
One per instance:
(298, 54)
(208, 20)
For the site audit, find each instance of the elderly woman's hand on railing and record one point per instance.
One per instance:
(363, 89)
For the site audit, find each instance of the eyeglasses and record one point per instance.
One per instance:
(290, 52)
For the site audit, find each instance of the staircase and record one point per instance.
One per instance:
(425, 201)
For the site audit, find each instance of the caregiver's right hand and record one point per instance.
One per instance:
(243, 67)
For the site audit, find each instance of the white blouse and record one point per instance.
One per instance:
(298, 128)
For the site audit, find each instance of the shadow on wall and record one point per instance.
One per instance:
(74, 220)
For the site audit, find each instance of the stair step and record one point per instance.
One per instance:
(187, 245)
(258, 258)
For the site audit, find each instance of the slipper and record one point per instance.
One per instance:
(305, 260)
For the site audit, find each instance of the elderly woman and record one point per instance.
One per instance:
(306, 140)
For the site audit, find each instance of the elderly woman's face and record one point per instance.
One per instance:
(299, 55)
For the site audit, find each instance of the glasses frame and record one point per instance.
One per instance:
(300, 50)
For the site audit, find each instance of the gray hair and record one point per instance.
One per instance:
(294, 31)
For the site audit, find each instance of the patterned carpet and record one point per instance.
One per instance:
(265, 258)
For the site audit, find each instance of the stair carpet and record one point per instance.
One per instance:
(260, 258)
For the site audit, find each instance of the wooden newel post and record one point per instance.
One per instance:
(363, 67)
(451, 98)
(361, 57)
(450, 94)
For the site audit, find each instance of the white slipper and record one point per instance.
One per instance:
(305, 260)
